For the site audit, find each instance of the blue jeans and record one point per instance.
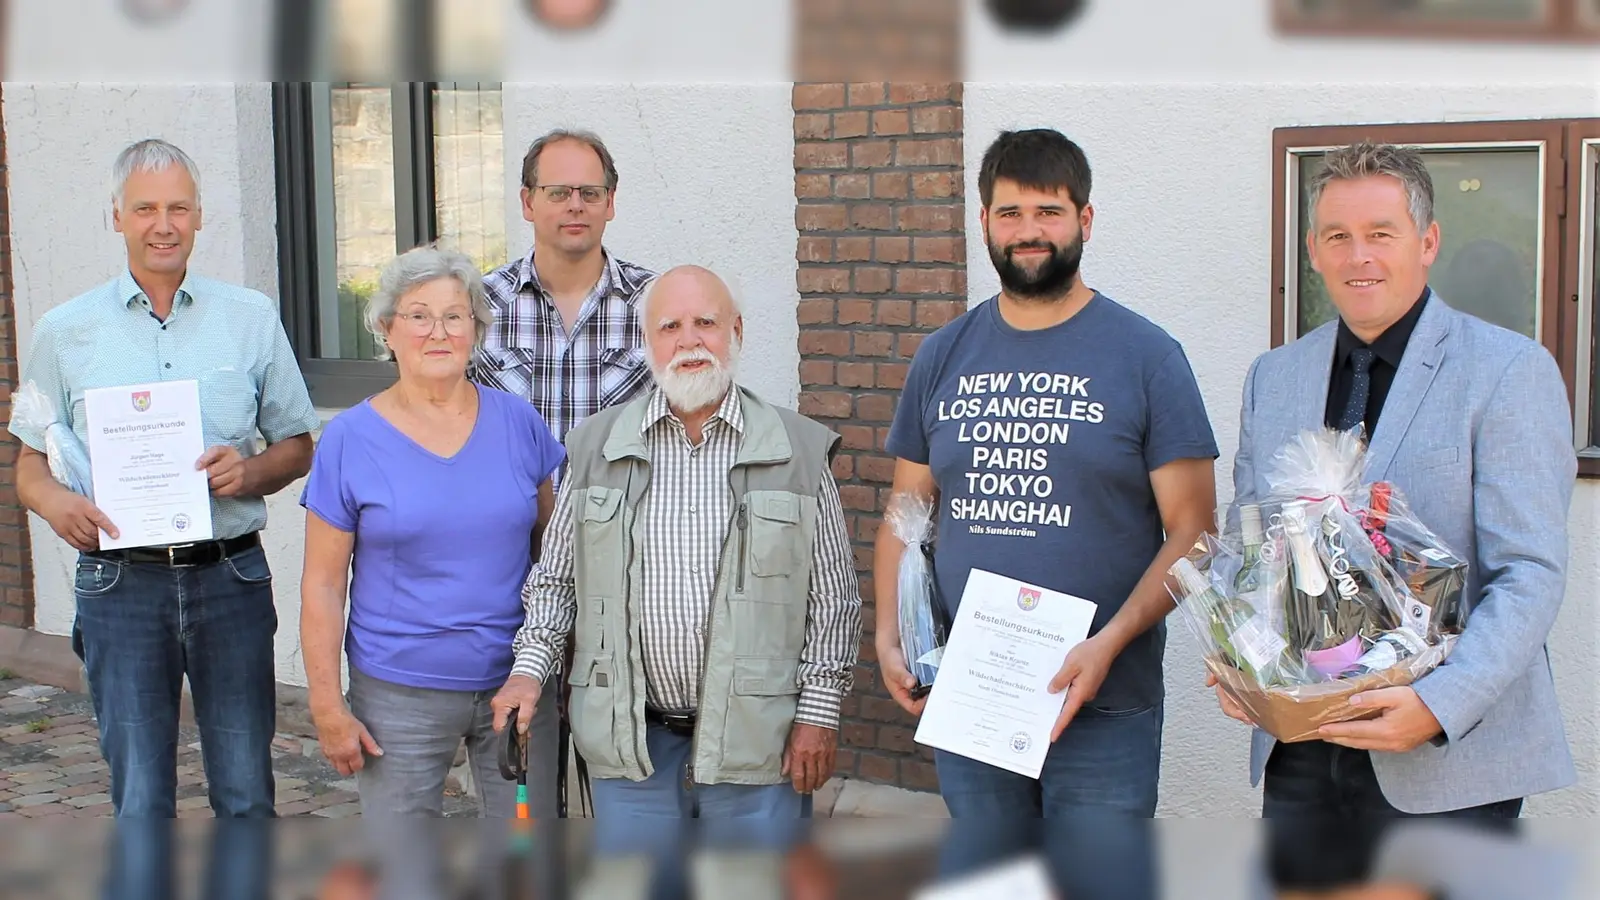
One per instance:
(1096, 796)
(140, 629)
(631, 817)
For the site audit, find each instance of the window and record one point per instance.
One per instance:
(1584, 231)
(366, 171)
(1495, 19)
(1518, 205)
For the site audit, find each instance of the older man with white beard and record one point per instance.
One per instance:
(698, 556)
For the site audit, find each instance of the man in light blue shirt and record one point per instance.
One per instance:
(147, 617)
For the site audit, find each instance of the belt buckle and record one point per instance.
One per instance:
(172, 559)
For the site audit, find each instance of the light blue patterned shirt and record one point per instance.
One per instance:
(227, 338)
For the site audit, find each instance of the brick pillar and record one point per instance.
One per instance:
(881, 264)
(16, 560)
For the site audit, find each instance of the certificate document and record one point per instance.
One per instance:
(144, 440)
(991, 701)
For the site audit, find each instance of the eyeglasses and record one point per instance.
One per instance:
(455, 324)
(591, 194)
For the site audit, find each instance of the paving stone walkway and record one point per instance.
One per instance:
(50, 764)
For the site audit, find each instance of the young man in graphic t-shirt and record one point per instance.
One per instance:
(1067, 445)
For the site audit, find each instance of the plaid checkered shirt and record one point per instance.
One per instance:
(684, 519)
(567, 377)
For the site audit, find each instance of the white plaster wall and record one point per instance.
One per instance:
(70, 40)
(1182, 194)
(649, 42)
(682, 199)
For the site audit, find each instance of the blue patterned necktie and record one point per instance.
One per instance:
(1355, 410)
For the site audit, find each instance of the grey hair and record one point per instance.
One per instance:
(730, 282)
(530, 160)
(150, 155)
(417, 267)
(1366, 159)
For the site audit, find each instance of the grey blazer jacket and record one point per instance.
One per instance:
(1477, 434)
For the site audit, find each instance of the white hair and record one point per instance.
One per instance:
(150, 155)
(647, 323)
(417, 267)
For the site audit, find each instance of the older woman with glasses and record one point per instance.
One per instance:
(426, 501)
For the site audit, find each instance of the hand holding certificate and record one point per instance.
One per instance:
(992, 700)
(144, 440)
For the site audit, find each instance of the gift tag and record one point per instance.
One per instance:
(1419, 616)
(1257, 644)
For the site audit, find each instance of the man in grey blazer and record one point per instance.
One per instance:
(1472, 423)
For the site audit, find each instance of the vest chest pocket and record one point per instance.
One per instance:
(602, 542)
(777, 535)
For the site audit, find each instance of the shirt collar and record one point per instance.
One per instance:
(730, 412)
(608, 276)
(128, 290)
(1389, 346)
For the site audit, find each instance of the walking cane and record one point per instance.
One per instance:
(514, 766)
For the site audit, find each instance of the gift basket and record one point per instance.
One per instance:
(923, 625)
(1327, 588)
(69, 462)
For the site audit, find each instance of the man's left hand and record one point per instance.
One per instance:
(225, 467)
(1405, 724)
(808, 760)
(1081, 675)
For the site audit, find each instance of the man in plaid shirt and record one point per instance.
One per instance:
(566, 336)
(566, 324)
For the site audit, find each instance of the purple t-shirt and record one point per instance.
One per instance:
(442, 546)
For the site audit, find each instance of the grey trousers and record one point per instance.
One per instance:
(419, 730)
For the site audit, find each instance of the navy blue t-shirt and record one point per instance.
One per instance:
(1042, 443)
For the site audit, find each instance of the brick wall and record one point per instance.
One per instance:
(16, 566)
(881, 264)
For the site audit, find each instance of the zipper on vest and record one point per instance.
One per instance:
(744, 533)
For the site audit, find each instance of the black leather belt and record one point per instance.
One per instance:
(677, 723)
(202, 554)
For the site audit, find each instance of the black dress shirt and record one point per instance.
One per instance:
(1387, 349)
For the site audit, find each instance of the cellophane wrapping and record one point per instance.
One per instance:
(1340, 589)
(922, 635)
(69, 461)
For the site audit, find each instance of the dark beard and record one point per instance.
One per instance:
(1050, 282)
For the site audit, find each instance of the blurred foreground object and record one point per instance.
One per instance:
(1038, 16)
(877, 40)
(568, 15)
(1497, 20)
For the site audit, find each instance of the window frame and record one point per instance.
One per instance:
(1567, 23)
(341, 383)
(1579, 289)
(1567, 247)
